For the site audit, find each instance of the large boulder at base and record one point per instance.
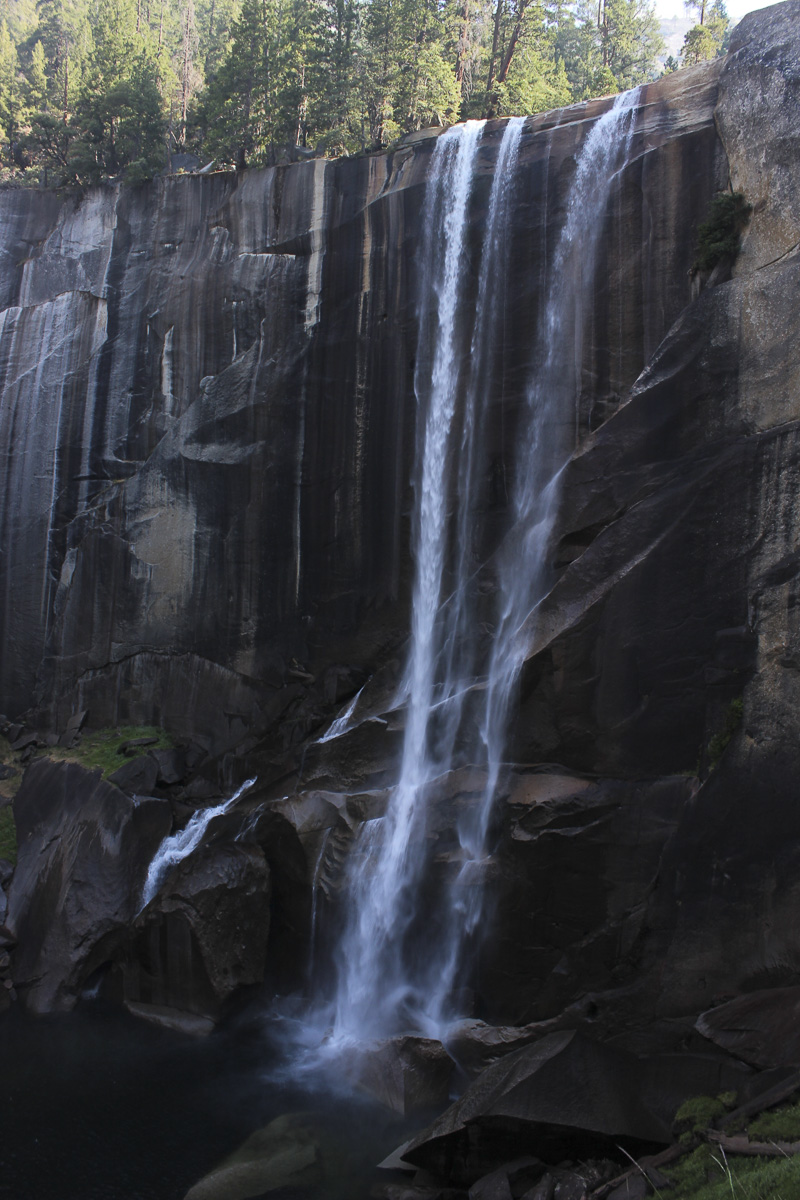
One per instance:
(203, 935)
(83, 852)
(564, 1096)
(407, 1074)
(762, 1028)
(287, 1154)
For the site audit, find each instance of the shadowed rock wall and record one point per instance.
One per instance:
(208, 412)
(209, 423)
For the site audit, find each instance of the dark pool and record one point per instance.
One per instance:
(96, 1105)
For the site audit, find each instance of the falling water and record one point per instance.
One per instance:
(180, 845)
(383, 986)
(524, 572)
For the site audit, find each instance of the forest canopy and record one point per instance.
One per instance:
(108, 89)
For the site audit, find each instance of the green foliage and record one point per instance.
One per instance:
(8, 834)
(719, 742)
(100, 748)
(697, 1114)
(707, 1175)
(709, 38)
(718, 236)
(782, 1125)
(106, 89)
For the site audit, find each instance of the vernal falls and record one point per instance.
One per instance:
(398, 578)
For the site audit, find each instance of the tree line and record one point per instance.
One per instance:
(107, 89)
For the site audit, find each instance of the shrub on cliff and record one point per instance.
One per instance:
(719, 235)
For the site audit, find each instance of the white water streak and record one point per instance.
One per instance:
(180, 845)
(524, 574)
(372, 979)
(342, 723)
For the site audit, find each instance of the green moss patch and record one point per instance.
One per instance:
(708, 1174)
(783, 1125)
(8, 834)
(719, 235)
(697, 1114)
(100, 747)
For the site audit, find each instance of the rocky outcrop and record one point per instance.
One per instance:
(84, 850)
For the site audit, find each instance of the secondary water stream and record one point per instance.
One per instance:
(180, 845)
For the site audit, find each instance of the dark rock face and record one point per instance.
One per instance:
(84, 849)
(225, 385)
(204, 935)
(221, 370)
(546, 1098)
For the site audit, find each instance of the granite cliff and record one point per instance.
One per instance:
(208, 418)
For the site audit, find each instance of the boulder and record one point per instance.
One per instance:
(762, 1027)
(137, 776)
(203, 935)
(408, 1074)
(171, 1018)
(287, 1154)
(562, 1092)
(171, 764)
(83, 852)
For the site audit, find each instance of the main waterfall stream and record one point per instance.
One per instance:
(458, 691)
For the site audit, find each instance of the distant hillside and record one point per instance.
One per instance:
(673, 32)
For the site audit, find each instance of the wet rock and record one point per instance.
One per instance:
(204, 934)
(531, 1100)
(134, 745)
(492, 1187)
(138, 776)
(762, 1027)
(287, 1154)
(83, 852)
(25, 741)
(171, 764)
(202, 789)
(7, 771)
(407, 1074)
(543, 1190)
(474, 1045)
(191, 1024)
(571, 1187)
(71, 734)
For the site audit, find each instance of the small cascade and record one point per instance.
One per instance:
(388, 981)
(342, 723)
(180, 845)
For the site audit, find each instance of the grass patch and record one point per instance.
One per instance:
(100, 747)
(707, 1174)
(783, 1125)
(8, 834)
(697, 1114)
(719, 235)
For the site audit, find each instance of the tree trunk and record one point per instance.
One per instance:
(498, 14)
(512, 42)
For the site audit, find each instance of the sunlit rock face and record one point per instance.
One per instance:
(208, 411)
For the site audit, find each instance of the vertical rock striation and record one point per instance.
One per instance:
(208, 411)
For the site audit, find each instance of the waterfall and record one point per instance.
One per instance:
(180, 845)
(523, 569)
(390, 978)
